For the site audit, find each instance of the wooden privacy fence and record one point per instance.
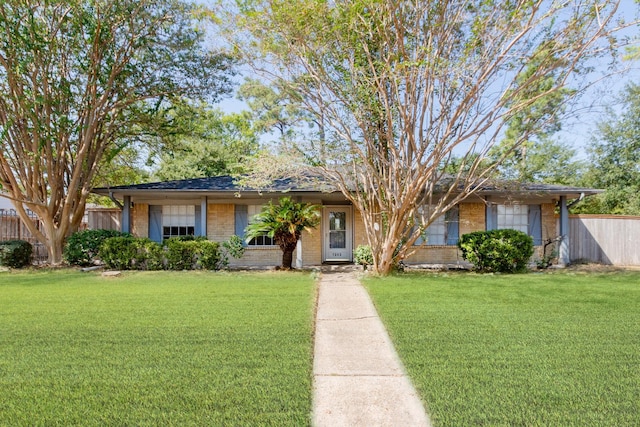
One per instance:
(605, 239)
(12, 228)
(103, 218)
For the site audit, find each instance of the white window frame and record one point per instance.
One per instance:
(515, 217)
(178, 220)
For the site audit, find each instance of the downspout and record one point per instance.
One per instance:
(115, 201)
(574, 202)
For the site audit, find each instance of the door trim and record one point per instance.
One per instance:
(349, 233)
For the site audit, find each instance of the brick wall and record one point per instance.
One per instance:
(435, 255)
(472, 217)
(548, 214)
(360, 235)
(312, 247)
(220, 222)
(271, 256)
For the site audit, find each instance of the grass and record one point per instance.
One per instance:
(528, 350)
(155, 348)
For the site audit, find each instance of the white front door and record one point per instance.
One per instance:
(338, 233)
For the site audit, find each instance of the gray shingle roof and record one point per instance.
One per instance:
(228, 184)
(215, 184)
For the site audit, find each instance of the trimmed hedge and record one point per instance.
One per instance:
(82, 247)
(130, 253)
(15, 253)
(503, 251)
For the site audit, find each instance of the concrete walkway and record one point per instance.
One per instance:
(358, 378)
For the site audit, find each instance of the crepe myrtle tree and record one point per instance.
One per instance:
(405, 87)
(284, 222)
(77, 79)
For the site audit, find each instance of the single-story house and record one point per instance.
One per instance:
(217, 208)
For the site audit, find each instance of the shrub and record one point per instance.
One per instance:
(149, 255)
(83, 246)
(234, 247)
(187, 254)
(363, 256)
(207, 255)
(15, 253)
(180, 253)
(118, 252)
(130, 253)
(504, 251)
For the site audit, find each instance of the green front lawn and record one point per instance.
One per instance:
(155, 348)
(557, 349)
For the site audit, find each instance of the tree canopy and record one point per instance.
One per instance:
(77, 77)
(615, 159)
(199, 141)
(404, 88)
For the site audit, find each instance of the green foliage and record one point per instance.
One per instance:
(234, 248)
(131, 253)
(540, 160)
(82, 247)
(118, 252)
(15, 253)
(503, 251)
(274, 110)
(615, 160)
(284, 222)
(188, 254)
(197, 141)
(177, 253)
(149, 255)
(82, 80)
(362, 255)
(180, 253)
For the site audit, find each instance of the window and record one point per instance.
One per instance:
(443, 231)
(243, 215)
(525, 218)
(167, 221)
(178, 220)
(515, 217)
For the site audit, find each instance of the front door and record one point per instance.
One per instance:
(338, 233)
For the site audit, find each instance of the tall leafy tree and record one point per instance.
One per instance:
(272, 110)
(77, 77)
(285, 223)
(199, 141)
(404, 87)
(538, 157)
(615, 159)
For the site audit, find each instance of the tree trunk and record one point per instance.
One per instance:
(287, 259)
(54, 242)
(55, 249)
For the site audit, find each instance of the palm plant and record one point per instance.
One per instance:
(284, 223)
